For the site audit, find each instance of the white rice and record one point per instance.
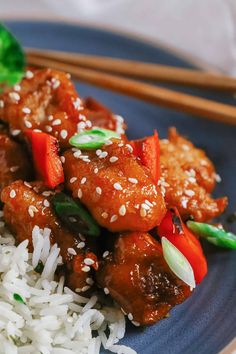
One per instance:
(53, 319)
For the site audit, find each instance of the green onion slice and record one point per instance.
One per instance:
(178, 263)
(219, 237)
(18, 298)
(12, 59)
(93, 138)
(75, 215)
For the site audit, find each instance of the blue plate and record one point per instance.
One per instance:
(206, 322)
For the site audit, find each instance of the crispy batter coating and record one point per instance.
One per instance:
(47, 100)
(115, 187)
(139, 280)
(187, 178)
(26, 206)
(14, 162)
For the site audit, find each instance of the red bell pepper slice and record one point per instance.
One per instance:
(148, 150)
(46, 159)
(182, 238)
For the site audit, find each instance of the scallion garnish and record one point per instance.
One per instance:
(12, 59)
(219, 237)
(93, 138)
(178, 263)
(75, 215)
(18, 298)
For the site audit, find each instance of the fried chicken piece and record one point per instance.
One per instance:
(47, 100)
(118, 191)
(187, 178)
(29, 205)
(137, 277)
(14, 162)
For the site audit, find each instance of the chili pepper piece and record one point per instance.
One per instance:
(148, 150)
(74, 215)
(219, 237)
(93, 138)
(183, 239)
(46, 158)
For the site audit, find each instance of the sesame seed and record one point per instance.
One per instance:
(86, 160)
(63, 159)
(72, 219)
(73, 179)
(117, 186)
(99, 190)
(98, 152)
(105, 254)
(56, 122)
(64, 134)
(113, 218)
(55, 83)
(12, 193)
(28, 124)
(48, 128)
(89, 281)
(88, 123)
(189, 193)
(217, 178)
(26, 110)
(77, 103)
(184, 203)
(77, 154)
(27, 184)
(81, 245)
(37, 130)
(80, 193)
(133, 180)
(130, 316)
(88, 261)
(104, 215)
(29, 74)
(83, 180)
(135, 323)
(129, 147)
(71, 251)
(192, 180)
(1, 103)
(14, 168)
(14, 96)
(143, 212)
(145, 206)
(15, 132)
(31, 210)
(50, 117)
(148, 202)
(108, 142)
(95, 170)
(122, 210)
(103, 155)
(86, 269)
(106, 291)
(81, 126)
(17, 87)
(113, 159)
(46, 203)
(47, 193)
(85, 288)
(120, 144)
(82, 237)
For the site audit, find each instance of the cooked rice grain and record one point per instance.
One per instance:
(50, 319)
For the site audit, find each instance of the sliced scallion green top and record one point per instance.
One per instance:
(93, 138)
(219, 237)
(12, 59)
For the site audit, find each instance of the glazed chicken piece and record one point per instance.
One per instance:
(47, 100)
(137, 277)
(28, 205)
(115, 187)
(14, 162)
(187, 178)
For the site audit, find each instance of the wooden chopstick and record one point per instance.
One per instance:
(147, 71)
(171, 99)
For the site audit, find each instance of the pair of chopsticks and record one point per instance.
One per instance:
(112, 74)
